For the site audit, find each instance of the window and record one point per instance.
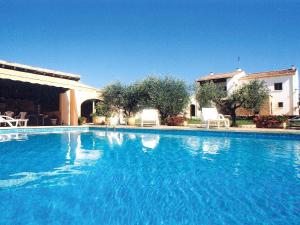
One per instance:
(280, 104)
(278, 86)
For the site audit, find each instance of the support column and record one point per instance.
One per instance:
(73, 109)
(64, 108)
(93, 109)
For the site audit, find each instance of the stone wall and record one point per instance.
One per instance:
(264, 110)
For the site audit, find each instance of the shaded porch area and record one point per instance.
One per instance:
(41, 103)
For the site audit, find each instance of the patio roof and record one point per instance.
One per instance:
(38, 70)
(42, 79)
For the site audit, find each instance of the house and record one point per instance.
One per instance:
(283, 86)
(44, 93)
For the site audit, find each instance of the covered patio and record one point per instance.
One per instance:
(40, 102)
(43, 94)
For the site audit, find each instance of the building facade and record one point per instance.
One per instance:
(193, 109)
(283, 86)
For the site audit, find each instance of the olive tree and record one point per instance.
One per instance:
(168, 95)
(250, 96)
(113, 96)
(130, 99)
(118, 96)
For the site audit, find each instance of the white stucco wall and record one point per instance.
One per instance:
(82, 96)
(289, 94)
(232, 83)
(296, 93)
(277, 96)
(70, 104)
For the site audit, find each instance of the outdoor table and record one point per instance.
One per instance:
(37, 118)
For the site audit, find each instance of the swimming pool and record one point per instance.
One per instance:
(94, 176)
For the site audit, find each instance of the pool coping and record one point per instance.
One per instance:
(5, 130)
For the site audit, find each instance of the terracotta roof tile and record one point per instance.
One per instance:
(276, 73)
(219, 76)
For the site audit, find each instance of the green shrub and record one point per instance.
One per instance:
(270, 121)
(176, 121)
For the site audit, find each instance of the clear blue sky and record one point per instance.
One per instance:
(105, 41)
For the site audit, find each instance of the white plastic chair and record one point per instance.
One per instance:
(148, 117)
(114, 120)
(9, 114)
(122, 120)
(8, 120)
(22, 118)
(211, 115)
(13, 122)
(22, 115)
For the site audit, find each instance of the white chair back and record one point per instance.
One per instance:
(210, 114)
(23, 115)
(114, 121)
(9, 113)
(149, 115)
(122, 120)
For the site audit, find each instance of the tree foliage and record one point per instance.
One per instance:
(130, 99)
(118, 96)
(168, 95)
(250, 96)
(102, 110)
(208, 94)
(113, 96)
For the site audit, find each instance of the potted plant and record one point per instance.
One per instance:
(101, 114)
(131, 121)
(53, 119)
(82, 120)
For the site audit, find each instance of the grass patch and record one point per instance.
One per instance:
(194, 121)
(244, 122)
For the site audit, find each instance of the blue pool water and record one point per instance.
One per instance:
(99, 177)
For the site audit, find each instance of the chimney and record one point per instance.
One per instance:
(238, 69)
(211, 73)
(293, 67)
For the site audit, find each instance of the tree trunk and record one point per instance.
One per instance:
(233, 117)
(163, 119)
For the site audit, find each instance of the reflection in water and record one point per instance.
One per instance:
(80, 156)
(100, 133)
(198, 145)
(19, 179)
(149, 141)
(214, 147)
(194, 144)
(115, 138)
(13, 137)
(131, 136)
(76, 156)
(297, 159)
